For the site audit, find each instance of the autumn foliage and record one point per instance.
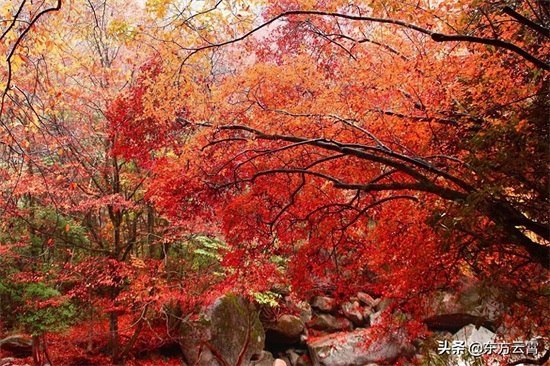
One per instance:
(150, 163)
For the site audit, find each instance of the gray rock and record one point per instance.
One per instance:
(330, 324)
(374, 318)
(285, 331)
(367, 299)
(353, 312)
(265, 359)
(367, 312)
(190, 334)
(306, 313)
(279, 362)
(473, 304)
(350, 348)
(324, 303)
(383, 304)
(229, 331)
(470, 335)
(293, 357)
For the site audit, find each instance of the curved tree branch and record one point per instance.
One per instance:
(501, 212)
(18, 41)
(438, 37)
(523, 20)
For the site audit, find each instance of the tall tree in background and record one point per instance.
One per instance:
(76, 230)
(70, 199)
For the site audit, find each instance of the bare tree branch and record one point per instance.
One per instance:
(438, 37)
(523, 20)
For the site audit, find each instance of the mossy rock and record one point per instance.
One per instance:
(237, 332)
(230, 333)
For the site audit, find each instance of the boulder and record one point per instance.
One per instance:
(19, 345)
(367, 312)
(330, 324)
(306, 313)
(293, 357)
(354, 312)
(279, 362)
(191, 348)
(324, 304)
(374, 318)
(367, 299)
(383, 304)
(470, 335)
(265, 359)
(358, 348)
(297, 357)
(473, 304)
(285, 331)
(228, 332)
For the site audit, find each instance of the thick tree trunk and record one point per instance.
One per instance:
(90, 345)
(151, 232)
(37, 360)
(114, 339)
(137, 331)
(45, 348)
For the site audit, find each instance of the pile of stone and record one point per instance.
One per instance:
(327, 333)
(319, 332)
(323, 332)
